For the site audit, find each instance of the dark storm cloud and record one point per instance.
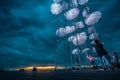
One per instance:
(22, 27)
(108, 27)
(27, 31)
(21, 14)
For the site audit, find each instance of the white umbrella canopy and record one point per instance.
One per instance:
(76, 51)
(93, 18)
(85, 12)
(56, 8)
(79, 24)
(64, 5)
(69, 29)
(70, 38)
(94, 50)
(92, 36)
(79, 39)
(92, 42)
(75, 3)
(85, 50)
(72, 14)
(82, 2)
(57, 1)
(61, 32)
(91, 29)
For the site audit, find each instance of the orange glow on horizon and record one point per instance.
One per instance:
(41, 68)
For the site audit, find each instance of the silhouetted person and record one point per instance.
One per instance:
(92, 60)
(34, 69)
(77, 63)
(22, 70)
(115, 60)
(102, 53)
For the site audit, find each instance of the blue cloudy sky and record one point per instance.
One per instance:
(27, 31)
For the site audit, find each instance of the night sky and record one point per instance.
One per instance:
(28, 31)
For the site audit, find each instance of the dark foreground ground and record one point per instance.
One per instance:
(61, 75)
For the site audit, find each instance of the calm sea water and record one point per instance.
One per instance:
(81, 75)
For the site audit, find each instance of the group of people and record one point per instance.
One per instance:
(108, 61)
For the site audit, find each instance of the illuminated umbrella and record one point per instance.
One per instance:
(85, 50)
(85, 12)
(76, 51)
(72, 14)
(64, 5)
(75, 3)
(82, 2)
(61, 32)
(93, 18)
(91, 30)
(79, 39)
(56, 8)
(64, 31)
(79, 24)
(57, 1)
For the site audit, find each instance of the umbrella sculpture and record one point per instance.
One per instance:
(71, 11)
